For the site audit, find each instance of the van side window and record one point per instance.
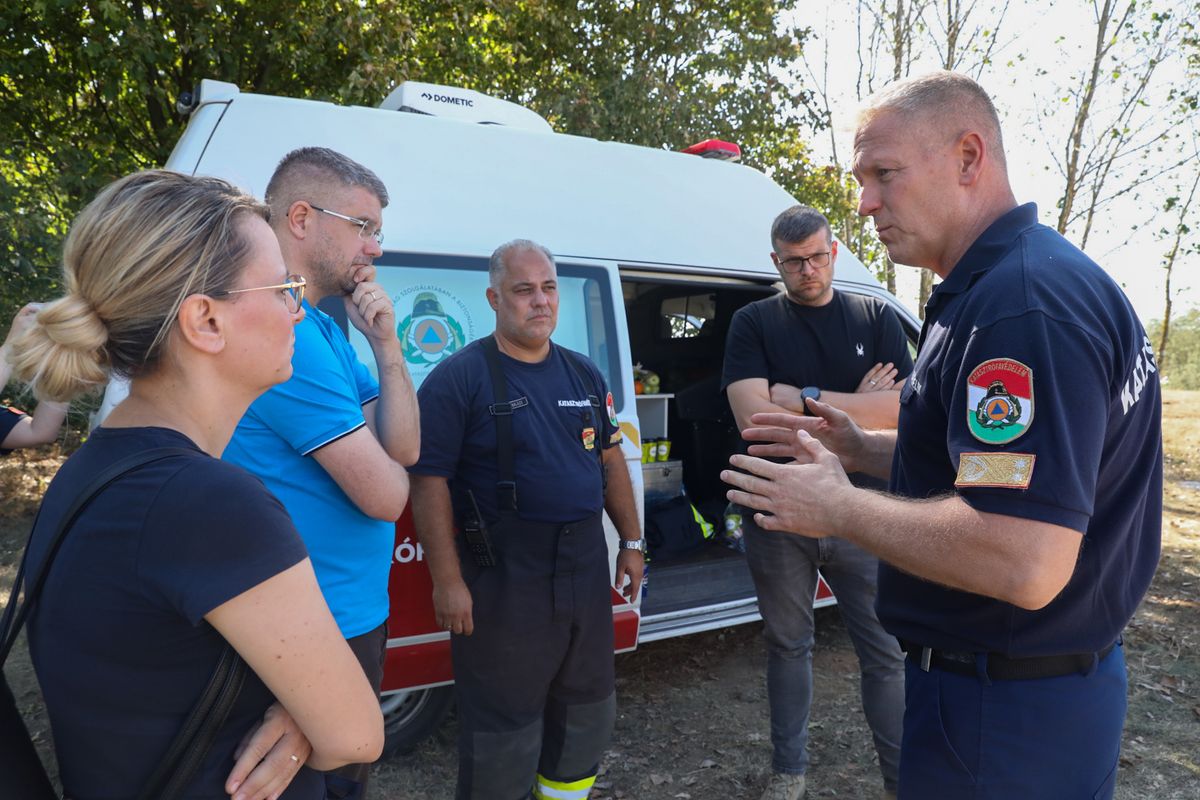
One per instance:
(687, 317)
(441, 306)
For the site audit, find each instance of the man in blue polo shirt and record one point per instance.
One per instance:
(332, 443)
(1023, 523)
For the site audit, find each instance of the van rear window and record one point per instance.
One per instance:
(687, 317)
(441, 306)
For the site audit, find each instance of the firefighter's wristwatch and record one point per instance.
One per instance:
(634, 544)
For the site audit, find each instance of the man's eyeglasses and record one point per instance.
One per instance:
(293, 291)
(363, 233)
(796, 263)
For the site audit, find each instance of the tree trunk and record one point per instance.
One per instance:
(924, 292)
(1169, 265)
(1073, 176)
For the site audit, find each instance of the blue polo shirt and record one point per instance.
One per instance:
(1035, 394)
(322, 402)
(557, 474)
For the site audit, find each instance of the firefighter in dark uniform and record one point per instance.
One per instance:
(1024, 520)
(520, 448)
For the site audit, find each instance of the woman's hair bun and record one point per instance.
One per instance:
(63, 355)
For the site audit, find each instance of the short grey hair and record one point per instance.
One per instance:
(497, 265)
(304, 171)
(797, 224)
(948, 100)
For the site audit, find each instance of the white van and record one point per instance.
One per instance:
(656, 251)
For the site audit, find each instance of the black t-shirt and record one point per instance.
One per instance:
(118, 638)
(9, 417)
(830, 346)
(558, 477)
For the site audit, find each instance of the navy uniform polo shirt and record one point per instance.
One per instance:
(1035, 394)
(557, 433)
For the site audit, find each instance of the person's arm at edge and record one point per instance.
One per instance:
(40, 427)
(23, 321)
(285, 633)
(620, 504)
(433, 519)
(1020, 561)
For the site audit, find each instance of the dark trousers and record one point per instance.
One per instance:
(350, 782)
(784, 567)
(536, 702)
(970, 738)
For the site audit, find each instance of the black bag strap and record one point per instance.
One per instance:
(501, 411)
(191, 744)
(14, 617)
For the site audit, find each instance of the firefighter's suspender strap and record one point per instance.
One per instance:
(502, 411)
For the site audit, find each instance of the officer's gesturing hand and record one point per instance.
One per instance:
(802, 497)
(452, 606)
(776, 434)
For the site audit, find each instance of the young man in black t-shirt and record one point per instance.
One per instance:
(849, 351)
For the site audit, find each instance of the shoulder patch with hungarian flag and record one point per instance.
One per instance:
(1000, 400)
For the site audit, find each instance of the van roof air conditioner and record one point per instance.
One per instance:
(462, 104)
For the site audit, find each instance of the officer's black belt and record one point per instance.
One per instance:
(1003, 668)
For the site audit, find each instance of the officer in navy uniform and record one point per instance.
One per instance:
(520, 447)
(1023, 524)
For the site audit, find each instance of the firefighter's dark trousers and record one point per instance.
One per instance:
(536, 704)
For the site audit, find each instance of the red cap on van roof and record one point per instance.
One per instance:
(715, 148)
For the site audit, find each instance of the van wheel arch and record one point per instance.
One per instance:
(410, 717)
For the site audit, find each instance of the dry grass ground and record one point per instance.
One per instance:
(693, 721)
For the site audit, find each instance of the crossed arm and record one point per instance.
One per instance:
(875, 403)
(327, 713)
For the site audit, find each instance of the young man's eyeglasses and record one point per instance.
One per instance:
(796, 264)
(293, 291)
(363, 224)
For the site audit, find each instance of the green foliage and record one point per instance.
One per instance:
(1181, 367)
(88, 89)
(88, 92)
